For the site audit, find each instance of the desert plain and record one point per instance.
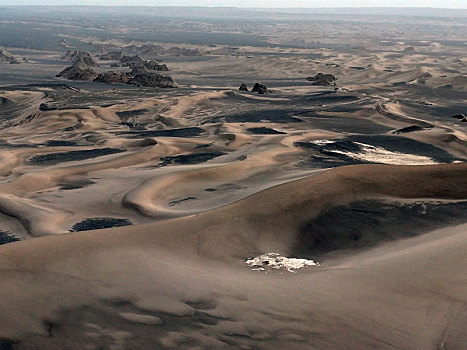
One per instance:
(147, 202)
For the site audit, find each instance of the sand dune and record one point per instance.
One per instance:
(169, 256)
(209, 217)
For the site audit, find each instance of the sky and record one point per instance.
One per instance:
(252, 3)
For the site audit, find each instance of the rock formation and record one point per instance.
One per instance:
(86, 58)
(140, 75)
(74, 56)
(131, 61)
(114, 77)
(243, 87)
(146, 50)
(323, 79)
(153, 79)
(260, 89)
(182, 51)
(5, 56)
(79, 70)
(136, 61)
(139, 70)
(69, 55)
(154, 65)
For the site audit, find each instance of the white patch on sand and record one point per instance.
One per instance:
(277, 262)
(381, 155)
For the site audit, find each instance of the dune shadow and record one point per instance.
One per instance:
(99, 223)
(71, 156)
(368, 223)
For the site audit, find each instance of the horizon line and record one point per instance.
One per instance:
(239, 7)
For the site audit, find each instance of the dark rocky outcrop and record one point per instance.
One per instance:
(139, 75)
(46, 107)
(243, 87)
(146, 50)
(111, 56)
(131, 61)
(153, 79)
(5, 56)
(154, 65)
(182, 51)
(323, 79)
(162, 68)
(139, 70)
(260, 89)
(114, 77)
(78, 71)
(136, 61)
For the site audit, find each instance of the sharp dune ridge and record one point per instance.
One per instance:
(289, 205)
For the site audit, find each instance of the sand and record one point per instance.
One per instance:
(130, 216)
(199, 259)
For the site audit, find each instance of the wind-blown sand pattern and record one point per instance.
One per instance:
(135, 217)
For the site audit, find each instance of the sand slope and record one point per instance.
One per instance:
(192, 269)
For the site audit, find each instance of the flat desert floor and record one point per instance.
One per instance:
(136, 217)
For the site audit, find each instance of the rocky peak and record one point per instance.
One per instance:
(323, 79)
(74, 56)
(79, 70)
